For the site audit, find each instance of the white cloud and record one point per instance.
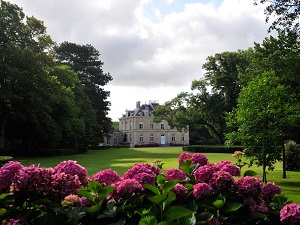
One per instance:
(151, 51)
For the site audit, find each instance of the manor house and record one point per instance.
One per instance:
(140, 130)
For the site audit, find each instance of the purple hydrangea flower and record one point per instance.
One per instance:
(257, 207)
(220, 164)
(248, 186)
(139, 168)
(202, 190)
(145, 178)
(200, 159)
(34, 179)
(8, 172)
(204, 173)
(221, 180)
(290, 214)
(106, 177)
(175, 174)
(184, 156)
(12, 222)
(179, 190)
(269, 190)
(232, 169)
(213, 221)
(124, 188)
(71, 167)
(65, 183)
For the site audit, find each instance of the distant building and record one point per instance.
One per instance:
(139, 129)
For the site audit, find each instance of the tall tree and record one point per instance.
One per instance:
(264, 112)
(285, 12)
(84, 61)
(24, 66)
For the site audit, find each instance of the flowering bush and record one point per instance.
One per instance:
(197, 192)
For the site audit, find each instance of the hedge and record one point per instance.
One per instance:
(212, 148)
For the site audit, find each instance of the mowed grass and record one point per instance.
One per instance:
(121, 160)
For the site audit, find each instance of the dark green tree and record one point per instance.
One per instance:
(84, 61)
(24, 76)
(285, 12)
(264, 111)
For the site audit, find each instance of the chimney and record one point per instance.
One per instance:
(138, 104)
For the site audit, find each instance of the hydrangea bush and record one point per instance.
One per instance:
(197, 192)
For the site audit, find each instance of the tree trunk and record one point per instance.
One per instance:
(264, 178)
(283, 161)
(3, 119)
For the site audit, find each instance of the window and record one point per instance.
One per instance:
(182, 137)
(141, 138)
(115, 141)
(141, 125)
(152, 138)
(130, 125)
(130, 138)
(123, 126)
(162, 126)
(173, 137)
(108, 141)
(151, 126)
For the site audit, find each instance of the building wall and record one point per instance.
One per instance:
(142, 130)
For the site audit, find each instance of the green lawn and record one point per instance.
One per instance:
(123, 159)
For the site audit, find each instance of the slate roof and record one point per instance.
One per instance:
(142, 110)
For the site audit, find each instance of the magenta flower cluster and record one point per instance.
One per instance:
(202, 190)
(175, 174)
(200, 159)
(125, 188)
(248, 186)
(184, 156)
(269, 190)
(106, 177)
(180, 190)
(204, 173)
(290, 214)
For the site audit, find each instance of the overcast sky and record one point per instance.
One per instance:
(153, 49)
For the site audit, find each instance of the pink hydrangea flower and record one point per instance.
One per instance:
(179, 190)
(213, 221)
(220, 164)
(71, 200)
(8, 172)
(269, 190)
(106, 177)
(184, 156)
(139, 168)
(221, 180)
(124, 188)
(200, 159)
(65, 183)
(34, 179)
(145, 178)
(204, 173)
(175, 174)
(290, 214)
(71, 167)
(232, 169)
(248, 186)
(202, 190)
(12, 222)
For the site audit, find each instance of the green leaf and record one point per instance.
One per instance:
(93, 209)
(120, 222)
(87, 194)
(161, 179)
(176, 212)
(3, 196)
(151, 220)
(76, 213)
(168, 186)
(250, 173)
(171, 197)
(188, 220)
(232, 207)
(204, 216)
(103, 192)
(94, 186)
(218, 204)
(167, 223)
(2, 212)
(158, 199)
(152, 188)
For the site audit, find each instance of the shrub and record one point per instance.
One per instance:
(183, 195)
(292, 156)
(212, 148)
(5, 159)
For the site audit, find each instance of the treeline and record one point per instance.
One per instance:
(51, 95)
